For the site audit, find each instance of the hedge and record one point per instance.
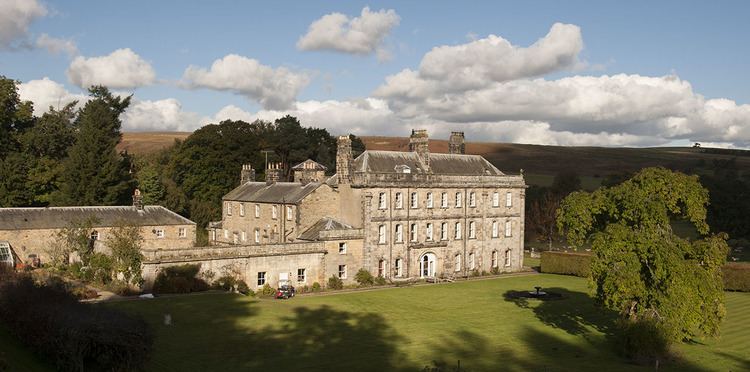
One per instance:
(566, 263)
(737, 276)
(76, 336)
(179, 279)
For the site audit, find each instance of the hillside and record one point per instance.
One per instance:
(540, 163)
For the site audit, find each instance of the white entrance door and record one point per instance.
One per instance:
(427, 265)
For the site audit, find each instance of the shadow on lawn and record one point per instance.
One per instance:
(575, 313)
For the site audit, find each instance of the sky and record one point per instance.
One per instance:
(635, 73)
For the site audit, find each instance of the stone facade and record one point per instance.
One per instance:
(408, 214)
(35, 229)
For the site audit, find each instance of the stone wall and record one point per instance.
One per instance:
(240, 217)
(39, 241)
(271, 259)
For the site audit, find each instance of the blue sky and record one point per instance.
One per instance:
(681, 66)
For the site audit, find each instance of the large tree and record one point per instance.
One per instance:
(94, 172)
(640, 268)
(15, 117)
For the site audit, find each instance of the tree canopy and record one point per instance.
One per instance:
(640, 267)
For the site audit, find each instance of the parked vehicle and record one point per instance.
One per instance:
(285, 292)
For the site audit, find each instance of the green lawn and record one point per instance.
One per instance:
(407, 328)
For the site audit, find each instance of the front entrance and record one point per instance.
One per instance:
(427, 265)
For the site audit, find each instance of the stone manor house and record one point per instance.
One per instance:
(399, 215)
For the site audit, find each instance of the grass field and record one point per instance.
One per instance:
(408, 328)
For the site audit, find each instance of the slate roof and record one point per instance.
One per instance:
(59, 217)
(323, 224)
(309, 164)
(278, 192)
(447, 164)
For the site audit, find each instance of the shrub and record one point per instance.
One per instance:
(226, 282)
(736, 276)
(82, 292)
(122, 288)
(643, 341)
(364, 278)
(99, 269)
(243, 288)
(316, 287)
(75, 336)
(380, 281)
(578, 264)
(266, 291)
(179, 279)
(475, 272)
(334, 282)
(495, 271)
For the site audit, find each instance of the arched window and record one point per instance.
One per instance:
(457, 262)
(399, 267)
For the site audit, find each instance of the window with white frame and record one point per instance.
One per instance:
(229, 208)
(160, 233)
(381, 234)
(471, 261)
(507, 257)
(213, 235)
(428, 236)
(342, 271)
(459, 233)
(274, 212)
(342, 248)
(494, 259)
(235, 238)
(242, 209)
(261, 278)
(226, 234)
(444, 231)
(414, 200)
(381, 201)
(301, 276)
(399, 267)
(444, 200)
(257, 235)
(429, 200)
(182, 232)
(508, 228)
(257, 211)
(381, 268)
(413, 232)
(94, 235)
(459, 200)
(399, 233)
(472, 230)
(457, 262)
(289, 212)
(495, 199)
(244, 236)
(508, 199)
(495, 229)
(399, 201)
(472, 199)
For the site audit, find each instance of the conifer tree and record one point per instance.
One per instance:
(94, 173)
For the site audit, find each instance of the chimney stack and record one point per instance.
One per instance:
(456, 143)
(138, 200)
(344, 160)
(247, 174)
(418, 142)
(273, 173)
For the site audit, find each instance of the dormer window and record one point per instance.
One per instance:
(402, 168)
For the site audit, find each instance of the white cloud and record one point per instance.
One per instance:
(273, 88)
(15, 18)
(358, 35)
(161, 115)
(121, 69)
(45, 93)
(57, 45)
